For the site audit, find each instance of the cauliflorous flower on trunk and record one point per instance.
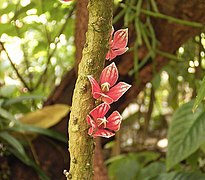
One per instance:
(105, 90)
(117, 45)
(65, 0)
(102, 126)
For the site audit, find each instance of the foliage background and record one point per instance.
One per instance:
(37, 51)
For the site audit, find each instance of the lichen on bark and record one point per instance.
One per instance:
(81, 145)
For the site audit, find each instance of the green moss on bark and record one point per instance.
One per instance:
(81, 145)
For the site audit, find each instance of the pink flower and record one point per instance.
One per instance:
(105, 90)
(100, 126)
(66, 0)
(118, 44)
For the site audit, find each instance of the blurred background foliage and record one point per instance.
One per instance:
(37, 49)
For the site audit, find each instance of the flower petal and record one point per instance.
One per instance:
(109, 74)
(100, 111)
(111, 34)
(90, 131)
(120, 51)
(114, 121)
(95, 86)
(110, 55)
(118, 90)
(91, 122)
(120, 39)
(104, 98)
(103, 133)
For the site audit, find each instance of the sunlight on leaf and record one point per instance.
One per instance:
(46, 117)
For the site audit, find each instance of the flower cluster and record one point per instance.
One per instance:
(107, 90)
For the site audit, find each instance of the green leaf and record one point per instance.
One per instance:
(145, 157)
(13, 142)
(5, 114)
(124, 168)
(127, 166)
(152, 170)
(46, 117)
(186, 133)
(179, 176)
(32, 129)
(200, 96)
(20, 99)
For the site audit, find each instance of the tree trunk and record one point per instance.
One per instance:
(80, 143)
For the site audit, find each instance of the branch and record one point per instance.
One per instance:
(166, 17)
(14, 67)
(172, 19)
(81, 145)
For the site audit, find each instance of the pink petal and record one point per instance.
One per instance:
(104, 98)
(95, 86)
(100, 111)
(111, 34)
(114, 121)
(103, 133)
(120, 51)
(109, 74)
(120, 39)
(111, 55)
(90, 131)
(118, 90)
(91, 122)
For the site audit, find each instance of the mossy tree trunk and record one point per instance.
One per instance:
(81, 145)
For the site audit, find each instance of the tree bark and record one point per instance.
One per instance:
(80, 143)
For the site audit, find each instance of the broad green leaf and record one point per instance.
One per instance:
(46, 117)
(145, 157)
(124, 168)
(200, 96)
(151, 170)
(179, 176)
(32, 129)
(127, 166)
(186, 133)
(115, 158)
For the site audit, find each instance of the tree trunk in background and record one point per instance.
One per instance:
(171, 36)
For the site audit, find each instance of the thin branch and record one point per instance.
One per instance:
(149, 112)
(172, 19)
(14, 67)
(166, 17)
